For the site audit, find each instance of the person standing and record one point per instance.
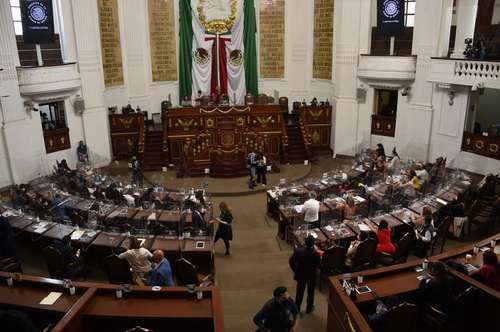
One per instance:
(261, 169)
(311, 211)
(138, 259)
(305, 263)
(225, 229)
(384, 239)
(252, 167)
(279, 314)
(136, 171)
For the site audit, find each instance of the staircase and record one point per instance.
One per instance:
(153, 151)
(296, 147)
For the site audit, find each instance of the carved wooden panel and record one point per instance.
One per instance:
(488, 146)
(124, 145)
(318, 115)
(56, 140)
(317, 125)
(120, 123)
(383, 125)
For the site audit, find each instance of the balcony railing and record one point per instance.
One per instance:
(465, 72)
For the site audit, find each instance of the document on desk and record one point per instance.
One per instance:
(364, 228)
(51, 298)
(329, 228)
(76, 235)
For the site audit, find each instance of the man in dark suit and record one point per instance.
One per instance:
(305, 262)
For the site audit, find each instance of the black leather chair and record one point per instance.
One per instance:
(399, 318)
(186, 274)
(403, 248)
(57, 266)
(365, 255)
(441, 233)
(10, 264)
(332, 262)
(118, 270)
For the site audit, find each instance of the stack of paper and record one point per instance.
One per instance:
(363, 228)
(76, 235)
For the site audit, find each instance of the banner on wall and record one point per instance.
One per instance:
(390, 17)
(38, 21)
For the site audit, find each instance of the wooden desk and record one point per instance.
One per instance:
(339, 232)
(405, 215)
(402, 280)
(300, 237)
(59, 231)
(95, 307)
(108, 240)
(20, 222)
(167, 244)
(398, 228)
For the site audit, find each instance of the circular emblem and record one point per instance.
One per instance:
(391, 8)
(37, 12)
(201, 56)
(235, 58)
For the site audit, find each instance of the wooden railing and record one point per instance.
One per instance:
(96, 304)
(383, 125)
(488, 146)
(316, 122)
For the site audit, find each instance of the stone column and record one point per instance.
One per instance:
(466, 21)
(350, 28)
(95, 117)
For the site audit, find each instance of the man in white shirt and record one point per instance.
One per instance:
(138, 259)
(311, 211)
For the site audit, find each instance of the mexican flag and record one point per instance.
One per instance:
(217, 48)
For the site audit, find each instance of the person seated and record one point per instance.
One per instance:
(489, 272)
(138, 259)
(380, 152)
(422, 175)
(384, 239)
(438, 288)
(437, 171)
(198, 218)
(63, 167)
(127, 109)
(71, 258)
(424, 236)
(353, 248)
(186, 102)
(349, 208)
(161, 274)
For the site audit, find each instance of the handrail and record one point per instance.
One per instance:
(72, 314)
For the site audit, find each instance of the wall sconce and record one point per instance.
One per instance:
(29, 106)
(405, 91)
(451, 97)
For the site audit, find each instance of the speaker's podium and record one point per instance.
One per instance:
(218, 138)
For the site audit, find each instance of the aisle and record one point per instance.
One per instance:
(258, 263)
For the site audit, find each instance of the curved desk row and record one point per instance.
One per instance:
(197, 249)
(346, 315)
(95, 306)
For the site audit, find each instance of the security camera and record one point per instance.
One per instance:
(405, 91)
(474, 88)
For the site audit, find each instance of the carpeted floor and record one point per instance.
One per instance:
(258, 261)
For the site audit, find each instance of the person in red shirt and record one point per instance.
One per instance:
(490, 270)
(384, 238)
